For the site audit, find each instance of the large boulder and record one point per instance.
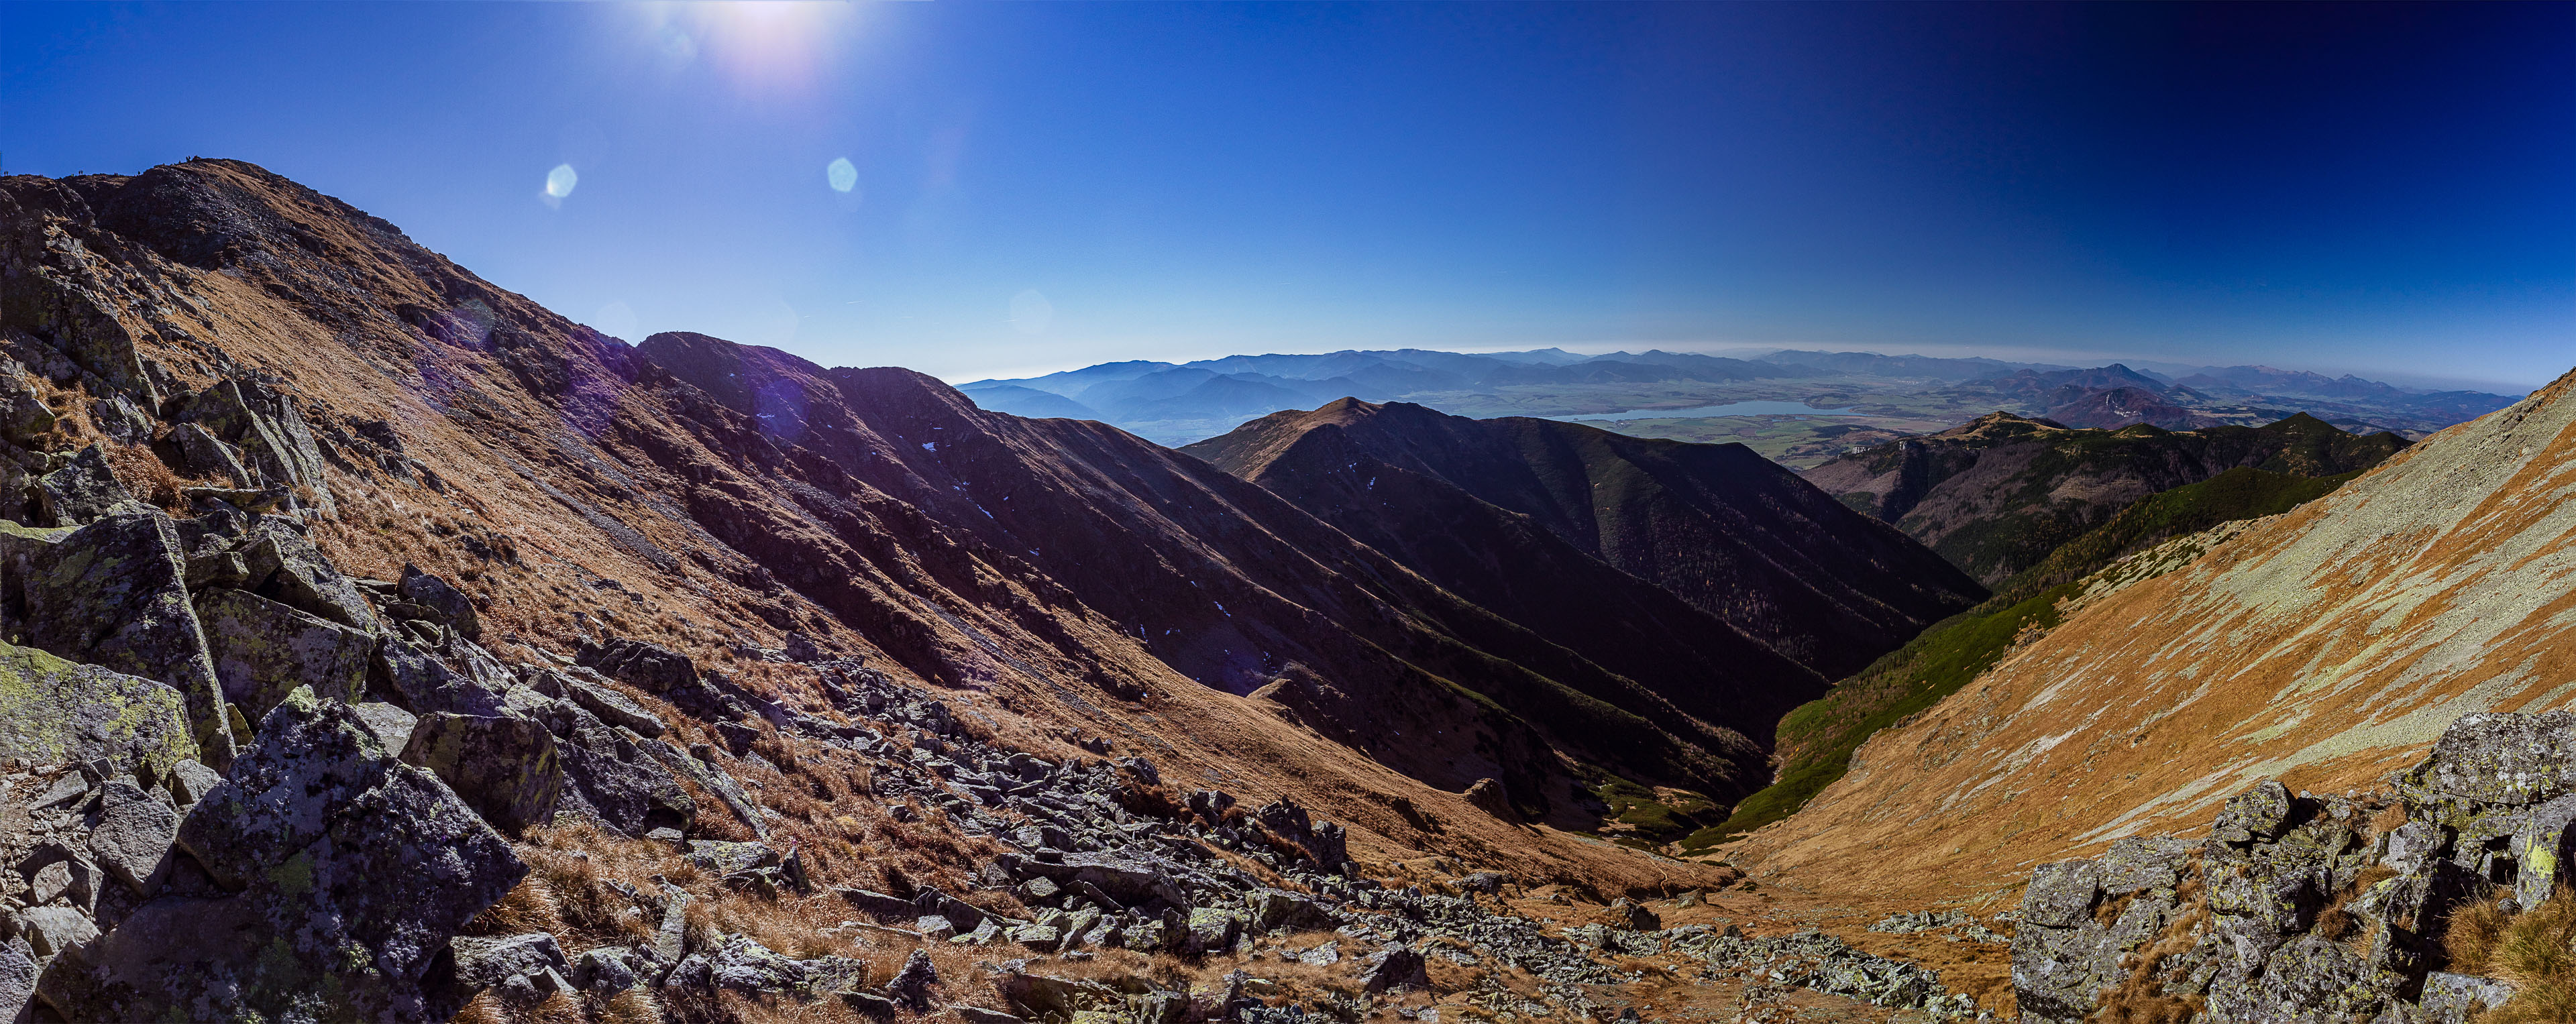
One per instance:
(263, 649)
(503, 766)
(2500, 759)
(426, 682)
(133, 836)
(348, 872)
(272, 436)
(83, 490)
(112, 594)
(54, 711)
(448, 605)
(610, 779)
(285, 566)
(652, 667)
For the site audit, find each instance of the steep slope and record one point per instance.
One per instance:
(1727, 531)
(2327, 646)
(1998, 494)
(1815, 741)
(1053, 578)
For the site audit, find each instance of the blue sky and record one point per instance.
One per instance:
(2387, 189)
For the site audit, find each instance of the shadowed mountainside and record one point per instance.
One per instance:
(1054, 572)
(1997, 495)
(1465, 502)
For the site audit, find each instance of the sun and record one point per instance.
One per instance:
(771, 42)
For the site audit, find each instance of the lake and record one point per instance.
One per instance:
(1761, 408)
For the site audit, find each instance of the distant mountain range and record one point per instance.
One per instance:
(1179, 403)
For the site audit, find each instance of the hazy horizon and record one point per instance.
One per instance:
(997, 191)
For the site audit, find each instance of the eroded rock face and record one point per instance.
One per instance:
(339, 875)
(2297, 908)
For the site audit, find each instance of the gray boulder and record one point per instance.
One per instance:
(614, 708)
(2256, 815)
(522, 963)
(82, 491)
(354, 868)
(58, 711)
(53, 931)
(1395, 967)
(652, 667)
(286, 567)
(610, 779)
(207, 455)
(17, 978)
(503, 766)
(449, 605)
(262, 649)
(133, 836)
(112, 594)
(391, 726)
(427, 683)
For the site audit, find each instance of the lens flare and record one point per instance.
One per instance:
(559, 182)
(1031, 312)
(842, 175)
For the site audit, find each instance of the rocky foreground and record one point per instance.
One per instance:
(353, 855)
(2300, 907)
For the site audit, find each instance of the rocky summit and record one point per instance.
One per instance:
(378, 645)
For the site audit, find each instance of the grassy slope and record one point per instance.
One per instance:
(1816, 740)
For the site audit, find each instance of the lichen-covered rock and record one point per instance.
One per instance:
(486, 962)
(24, 417)
(2242, 922)
(1324, 842)
(286, 567)
(609, 778)
(2061, 895)
(82, 491)
(263, 649)
(503, 766)
(349, 872)
(721, 858)
(207, 455)
(1395, 967)
(614, 708)
(449, 605)
(2257, 814)
(392, 726)
(1209, 929)
(427, 683)
(654, 668)
(272, 436)
(112, 594)
(54, 711)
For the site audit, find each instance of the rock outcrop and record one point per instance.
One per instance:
(2306, 908)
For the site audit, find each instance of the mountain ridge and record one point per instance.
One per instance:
(1731, 533)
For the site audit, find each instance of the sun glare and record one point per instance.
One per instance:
(772, 42)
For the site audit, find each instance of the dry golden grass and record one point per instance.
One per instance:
(2535, 950)
(2140, 998)
(2470, 932)
(147, 477)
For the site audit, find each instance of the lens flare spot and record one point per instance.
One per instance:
(842, 175)
(1031, 312)
(559, 182)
